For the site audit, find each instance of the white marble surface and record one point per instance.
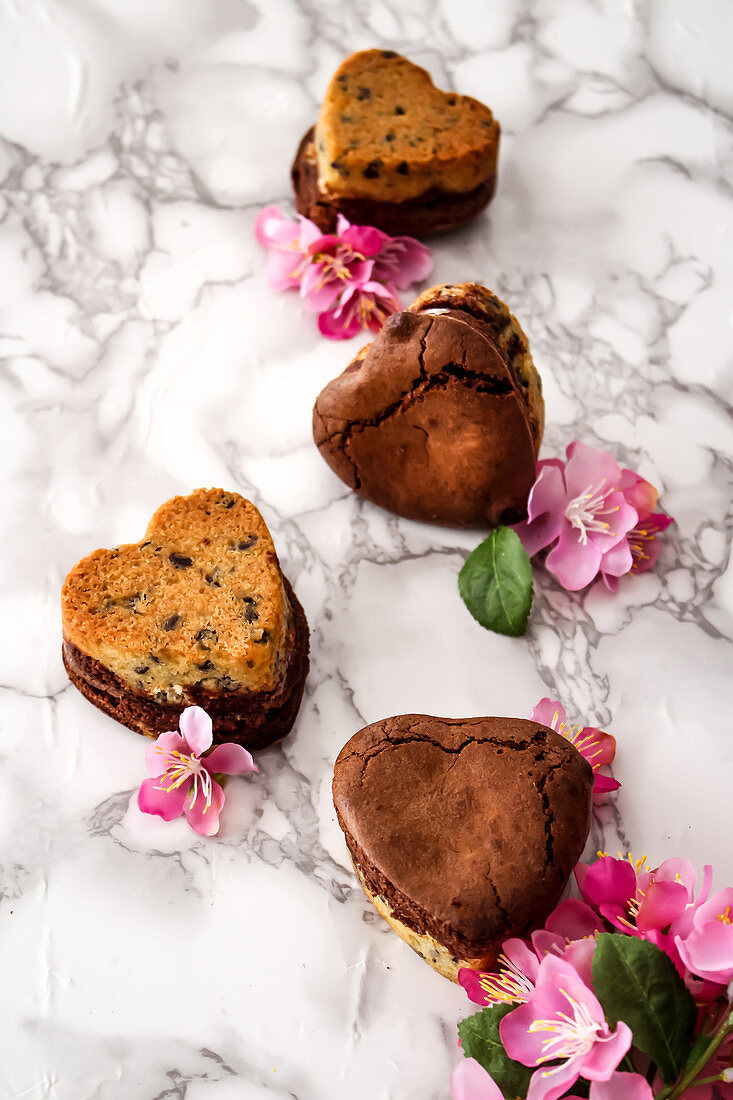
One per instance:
(143, 355)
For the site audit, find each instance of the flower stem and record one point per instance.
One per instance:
(672, 1092)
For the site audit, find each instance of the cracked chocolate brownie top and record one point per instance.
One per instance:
(440, 418)
(469, 828)
(386, 132)
(199, 600)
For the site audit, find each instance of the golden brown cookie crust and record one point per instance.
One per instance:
(199, 600)
(386, 133)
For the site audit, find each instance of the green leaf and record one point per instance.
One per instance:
(496, 583)
(480, 1040)
(637, 983)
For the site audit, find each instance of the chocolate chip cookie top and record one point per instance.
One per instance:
(386, 132)
(199, 600)
(476, 823)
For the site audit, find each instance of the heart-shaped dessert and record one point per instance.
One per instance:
(463, 833)
(392, 150)
(440, 418)
(196, 613)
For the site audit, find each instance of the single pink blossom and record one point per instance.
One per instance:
(597, 747)
(580, 508)
(470, 1081)
(183, 779)
(707, 948)
(365, 305)
(562, 1023)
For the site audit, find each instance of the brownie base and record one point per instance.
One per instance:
(426, 215)
(252, 719)
(415, 918)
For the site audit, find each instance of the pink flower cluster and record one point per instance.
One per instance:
(350, 278)
(558, 1026)
(183, 778)
(597, 517)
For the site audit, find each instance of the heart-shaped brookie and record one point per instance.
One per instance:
(430, 422)
(386, 132)
(197, 612)
(463, 832)
(392, 150)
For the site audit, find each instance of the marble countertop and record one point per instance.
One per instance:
(143, 355)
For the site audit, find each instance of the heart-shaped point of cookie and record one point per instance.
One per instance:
(386, 133)
(197, 612)
(463, 832)
(431, 422)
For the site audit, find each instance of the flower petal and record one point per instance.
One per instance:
(230, 759)
(197, 728)
(573, 563)
(152, 799)
(205, 820)
(549, 713)
(470, 1081)
(155, 760)
(603, 1058)
(590, 466)
(618, 560)
(545, 510)
(622, 1086)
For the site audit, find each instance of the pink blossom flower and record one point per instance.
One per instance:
(597, 747)
(360, 305)
(580, 507)
(349, 278)
(183, 779)
(642, 539)
(470, 1081)
(707, 948)
(562, 1023)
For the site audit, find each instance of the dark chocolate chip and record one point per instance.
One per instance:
(264, 638)
(141, 669)
(154, 659)
(388, 54)
(342, 78)
(452, 101)
(228, 502)
(399, 110)
(248, 543)
(250, 613)
(389, 137)
(364, 93)
(403, 168)
(144, 544)
(180, 560)
(206, 634)
(372, 169)
(172, 622)
(227, 684)
(205, 666)
(214, 577)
